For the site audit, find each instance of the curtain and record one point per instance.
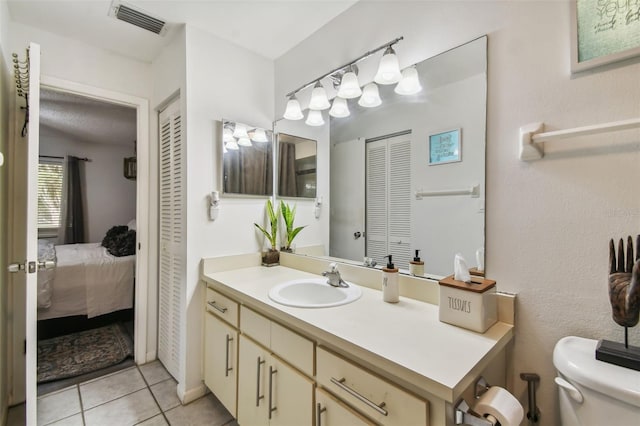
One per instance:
(287, 186)
(72, 208)
(249, 170)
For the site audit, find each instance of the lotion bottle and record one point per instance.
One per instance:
(416, 266)
(390, 290)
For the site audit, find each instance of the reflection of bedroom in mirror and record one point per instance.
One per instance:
(247, 156)
(87, 234)
(296, 166)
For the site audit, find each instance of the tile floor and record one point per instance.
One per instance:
(139, 395)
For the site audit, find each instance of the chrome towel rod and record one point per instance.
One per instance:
(532, 137)
(474, 192)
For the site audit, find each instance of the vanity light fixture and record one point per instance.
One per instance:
(293, 110)
(370, 96)
(339, 108)
(314, 118)
(389, 69)
(232, 145)
(227, 135)
(319, 100)
(349, 87)
(410, 82)
(244, 141)
(224, 148)
(240, 132)
(259, 135)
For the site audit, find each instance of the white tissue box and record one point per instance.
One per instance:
(469, 305)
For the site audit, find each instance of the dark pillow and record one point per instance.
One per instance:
(120, 241)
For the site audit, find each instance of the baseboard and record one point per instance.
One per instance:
(151, 356)
(192, 394)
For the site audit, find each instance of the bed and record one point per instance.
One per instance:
(87, 280)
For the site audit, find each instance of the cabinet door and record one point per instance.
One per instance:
(331, 412)
(252, 383)
(220, 358)
(291, 395)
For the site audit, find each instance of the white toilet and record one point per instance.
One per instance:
(592, 392)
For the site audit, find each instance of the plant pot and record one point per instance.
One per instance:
(270, 258)
(287, 250)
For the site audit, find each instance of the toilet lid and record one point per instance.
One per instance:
(575, 358)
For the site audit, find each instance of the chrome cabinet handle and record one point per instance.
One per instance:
(378, 407)
(319, 411)
(216, 307)
(226, 367)
(272, 371)
(258, 396)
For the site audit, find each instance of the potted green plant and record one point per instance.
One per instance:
(289, 215)
(271, 257)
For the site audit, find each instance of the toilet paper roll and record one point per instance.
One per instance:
(499, 403)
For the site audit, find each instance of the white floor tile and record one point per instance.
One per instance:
(128, 410)
(108, 388)
(155, 421)
(58, 405)
(154, 372)
(204, 411)
(75, 420)
(166, 394)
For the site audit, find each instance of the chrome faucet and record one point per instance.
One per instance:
(333, 276)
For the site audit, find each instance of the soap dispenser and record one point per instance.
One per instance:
(416, 266)
(390, 290)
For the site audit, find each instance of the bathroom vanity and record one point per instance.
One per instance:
(366, 362)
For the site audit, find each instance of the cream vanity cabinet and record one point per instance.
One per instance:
(332, 412)
(275, 366)
(378, 399)
(221, 348)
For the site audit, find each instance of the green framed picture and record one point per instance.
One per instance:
(603, 32)
(445, 147)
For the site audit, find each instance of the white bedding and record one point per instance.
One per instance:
(89, 281)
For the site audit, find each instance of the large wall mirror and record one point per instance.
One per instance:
(247, 159)
(402, 173)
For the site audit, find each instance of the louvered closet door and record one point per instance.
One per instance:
(172, 271)
(389, 200)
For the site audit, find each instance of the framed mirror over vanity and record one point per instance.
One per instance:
(387, 193)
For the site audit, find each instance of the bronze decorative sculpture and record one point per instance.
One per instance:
(624, 295)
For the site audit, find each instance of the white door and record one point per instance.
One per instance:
(346, 233)
(24, 222)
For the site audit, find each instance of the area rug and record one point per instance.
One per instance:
(83, 352)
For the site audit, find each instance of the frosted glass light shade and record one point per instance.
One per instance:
(240, 131)
(244, 141)
(293, 110)
(370, 96)
(224, 148)
(314, 118)
(410, 83)
(388, 70)
(319, 100)
(260, 136)
(227, 135)
(339, 108)
(349, 86)
(232, 145)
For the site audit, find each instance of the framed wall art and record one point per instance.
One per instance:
(603, 32)
(445, 147)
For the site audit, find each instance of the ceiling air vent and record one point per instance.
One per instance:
(136, 17)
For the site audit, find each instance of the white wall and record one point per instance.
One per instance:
(110, 198)
(223, 81)
(548, 222)
(5, 84)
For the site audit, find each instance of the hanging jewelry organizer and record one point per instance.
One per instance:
(21, 74)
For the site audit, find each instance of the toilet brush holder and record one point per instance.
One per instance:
(469, 305)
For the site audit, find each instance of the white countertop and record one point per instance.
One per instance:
(405, 339)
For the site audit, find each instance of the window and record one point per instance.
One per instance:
(50, 174)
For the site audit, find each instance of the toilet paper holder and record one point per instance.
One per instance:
(463, 413)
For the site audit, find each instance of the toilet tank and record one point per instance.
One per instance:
(593, 392)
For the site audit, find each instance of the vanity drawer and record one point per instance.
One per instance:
(369, 394)
(295, 349)
(222, 307)
(256, 326)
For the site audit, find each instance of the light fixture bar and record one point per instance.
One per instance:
(360, 58)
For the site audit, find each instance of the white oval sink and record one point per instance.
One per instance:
(313, 293)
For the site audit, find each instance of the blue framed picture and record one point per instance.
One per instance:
(445, 147)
